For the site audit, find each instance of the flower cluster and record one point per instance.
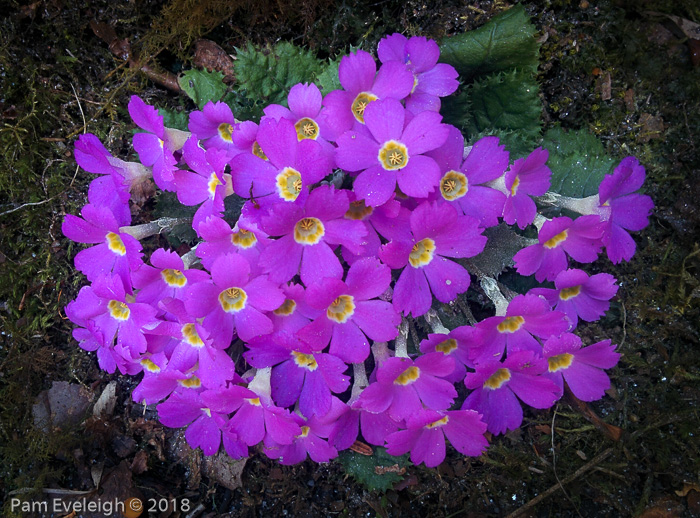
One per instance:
(361, 208)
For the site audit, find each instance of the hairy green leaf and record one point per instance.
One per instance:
(368, 469)
(507, 101)
(173, 119)
(202, 86)
(507, 41)
(456, 110)
(267, 75)
(503, 243)
(328, 79)
(578, 162)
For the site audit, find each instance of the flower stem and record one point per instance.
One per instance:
(154, 227)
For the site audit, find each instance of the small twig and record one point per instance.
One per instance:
(624, 324)
(433, 320)
(26, 205)
(154, 227)
(80, 107)
(493, 292)
(467, 312)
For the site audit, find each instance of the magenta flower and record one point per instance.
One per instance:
(168, 279)
(497, 384)
(304, 111)
(426, 432)
(627, 210)
(157, 145)
(463, 184)
(581, 368)
(580, 296)
(214, 127)
(246, 240)
(309, 442)
(309, 234)
(345, 109)
(392, 152)
(438, 232)
(290, 166)
(458, 344)
(527, 317)
(234, 299)
(205, 185)
(559, 237)
(526, 177)
(104, 303)
(294, 313)
(301, 372)
(431, 80)
(403, 386)
(117, 252)
(349, 317)
(185, 407)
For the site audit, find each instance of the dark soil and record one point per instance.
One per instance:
(628, 75)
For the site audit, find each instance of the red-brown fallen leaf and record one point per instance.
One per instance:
(383, 470)
(611, 431)
(666, 508)
(694, 48)
(361, 448)
(209, 55)
(140, 462)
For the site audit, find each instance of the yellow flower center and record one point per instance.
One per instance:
(289, 184)
(422, 253)
(286, 309)
(560, 361)
(214, 182)
(304, 432)
(439, 422)
(115, 243)
(447, 346)
(360, 103)
(193, 382)
(510, 324)
(358, 210)
(257, 151)
(306, 128)
(244, 238)
(149, 366)
(173, 278)
(393, 155)
(497, 379)
(255, 401)
(190, 335)
(569, 293)
(514, 188)
(453, 185)
(308, 231)
(233, 300)
(305, 361)
(225, 131)
(408, 376)
(118, 310)
(341, 309)
(556, 240)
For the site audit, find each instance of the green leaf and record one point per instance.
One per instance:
(503, 243)
(507, 41)
(367, 469)
(456, 110)
(507, 101)
(267, 75)
(173, 119)
(202, 86)
(328, 79)
(578, 162)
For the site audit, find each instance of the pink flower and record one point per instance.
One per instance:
(527, 177)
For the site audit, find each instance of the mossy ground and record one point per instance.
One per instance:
(57, 80)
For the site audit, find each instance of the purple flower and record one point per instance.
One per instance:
(526, 177)
(527, 315)
(309, 234)
(627, 210)
(104, 304)
(167, 280)
(214, 127)
(294, 313)
(300, 372)
(289, 169)
(362, 86)
(581, 368)
(438, 232)
(234, 299)
(157, 145)
(403, 386)
(117, 252)
(426, 432)
(463, 184)
(497, 384)
(348, 315)
(206, 185)
(308, 442)
(580, 296)
(185, 407)
(246, 240)
(431, 80)
(559, 237)
(457, 344)
(392, 152)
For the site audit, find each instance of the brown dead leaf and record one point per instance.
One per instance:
(611, 431)
(383, 470)
(651, 127)
(666, 508)
(688, 487)
(604, 86)
(225, 470)
(544, 428)
(140, 463)
(209, 55)
(62, 406)
(629, 100)
(361, 448)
